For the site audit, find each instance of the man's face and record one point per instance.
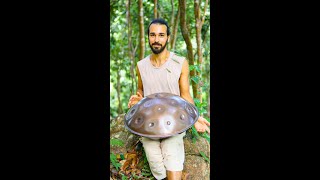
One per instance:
(158, 37)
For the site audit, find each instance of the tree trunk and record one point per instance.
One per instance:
(160, 11)
(141, 28)
(174, 31)
(198, 40)
(120, 110)
(204, 35)
(155, 10)
(206, 62)
(130, 47)
(172, 15)
(199, 23)
(186, 37)
(208, 107)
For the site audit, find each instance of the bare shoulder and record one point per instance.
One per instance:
(185, 66)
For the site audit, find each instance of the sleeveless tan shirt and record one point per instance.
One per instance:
(161, 79)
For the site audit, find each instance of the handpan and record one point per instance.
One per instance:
(161, 115)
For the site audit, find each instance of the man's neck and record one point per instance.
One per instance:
(161, 57)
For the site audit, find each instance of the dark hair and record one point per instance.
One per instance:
(160, 21)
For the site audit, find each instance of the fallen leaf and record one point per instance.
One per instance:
(125, 165)
(136, 171)
(134, 162)
(128, 171)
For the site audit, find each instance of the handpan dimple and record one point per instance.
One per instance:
(138, 121)
(173, 102)
(148, 103)
(189, 110)
(161, 115)
(159, 108)
(131, 112)
(151, 124)
(158, 95)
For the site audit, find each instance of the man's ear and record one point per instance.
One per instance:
(169, 38)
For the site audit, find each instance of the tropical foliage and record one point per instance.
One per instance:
(125, 46)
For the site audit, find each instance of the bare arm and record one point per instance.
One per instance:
(202, 124)
(140, 85)
(134, 99)
(184, 83)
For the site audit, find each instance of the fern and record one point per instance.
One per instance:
(195, 134)
(206, 136)
(114, 161)
(204, 156)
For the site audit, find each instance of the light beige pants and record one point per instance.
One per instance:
(165, 154)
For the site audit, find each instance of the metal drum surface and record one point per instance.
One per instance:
(161, 115)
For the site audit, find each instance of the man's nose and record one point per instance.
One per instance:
(157, 39)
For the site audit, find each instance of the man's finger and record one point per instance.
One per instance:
(139, 95)
(200, 130)
(201, 119)
(132, 97)
(208, 130)
(207, 123)
(130, 103)
(204, 121)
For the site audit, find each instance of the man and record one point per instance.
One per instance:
(164, 71)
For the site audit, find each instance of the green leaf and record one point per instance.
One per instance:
(197, 68)
(194, 67)
(205, 87)
(194, 131)
(204, 156)
(135, 176)
(146, 174)
(124, 177)
(116, 142)
(114, 161)
(122, 157)
(195, 134)
(203, 111)
(197, 102)
(204, 104)
(195, 79)
(191, 67)
(194, 140)
(206, 136)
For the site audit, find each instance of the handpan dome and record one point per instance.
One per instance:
(161, 115)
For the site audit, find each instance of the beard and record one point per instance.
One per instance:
(158, 51)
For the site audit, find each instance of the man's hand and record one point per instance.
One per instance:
(134, 99)
(202, 125)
